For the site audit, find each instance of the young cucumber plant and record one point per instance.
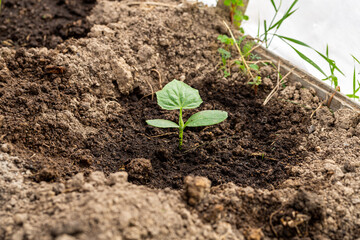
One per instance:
(178, 95)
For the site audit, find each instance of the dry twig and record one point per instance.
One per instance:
(107, 105)
(152, 3)
(276, 88)
(239, 50)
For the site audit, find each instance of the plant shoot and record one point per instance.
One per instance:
(178, 95)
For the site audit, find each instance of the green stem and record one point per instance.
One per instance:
(181, 129)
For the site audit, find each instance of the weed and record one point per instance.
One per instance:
(355, 89)
(256, 81)
(236, 16)
(271, 29)
(179, 95)
(246, 52)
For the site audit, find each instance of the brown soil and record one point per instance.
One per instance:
(73, 119)
(254, 147)
(44, 23)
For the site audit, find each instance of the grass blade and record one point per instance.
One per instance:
(272, 2)
(311, 62)
(293, 40)
(331, 62)
(351, 55)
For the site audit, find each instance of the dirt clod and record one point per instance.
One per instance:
(139, 169)
(196, 189)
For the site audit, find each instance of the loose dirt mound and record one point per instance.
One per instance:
(81, 107)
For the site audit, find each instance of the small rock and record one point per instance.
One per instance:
(182, 78)
(118, 177)
(311, 129)
(196, 189)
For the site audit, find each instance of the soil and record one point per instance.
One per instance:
(75, 145)
(43, 23)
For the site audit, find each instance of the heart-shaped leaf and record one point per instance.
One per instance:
(178, 95)
(206, 118)
(161, 123)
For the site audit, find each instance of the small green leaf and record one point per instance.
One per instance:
(178, 95)
(227, 2)
(224, 54)
(254, 67)
(161, 123)
(206, 118)
(225, 39)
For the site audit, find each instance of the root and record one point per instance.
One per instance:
(107, 105)
(160, 79)
(151, 88)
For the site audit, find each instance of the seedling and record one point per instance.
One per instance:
(255, 82)
(245, 50)
(236, 16)
(225, 55)
(179, 95)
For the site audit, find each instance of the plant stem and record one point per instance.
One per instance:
(181, 129)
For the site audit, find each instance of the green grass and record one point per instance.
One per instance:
(355, 81)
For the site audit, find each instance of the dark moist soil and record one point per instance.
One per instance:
(254, 147)
(46, 118)
(43, 23)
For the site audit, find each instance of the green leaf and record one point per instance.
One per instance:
(225, 39)
(293, 40)
(273, 3)
(303, 56)
(227, 2)
(355, 59)
(254, 67)
(178, 95)
(308, 60)
(224, 54)
(161, 123)
(352, 96)
(331, 62)
(206, 118)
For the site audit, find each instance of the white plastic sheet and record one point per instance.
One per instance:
(316, 23)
